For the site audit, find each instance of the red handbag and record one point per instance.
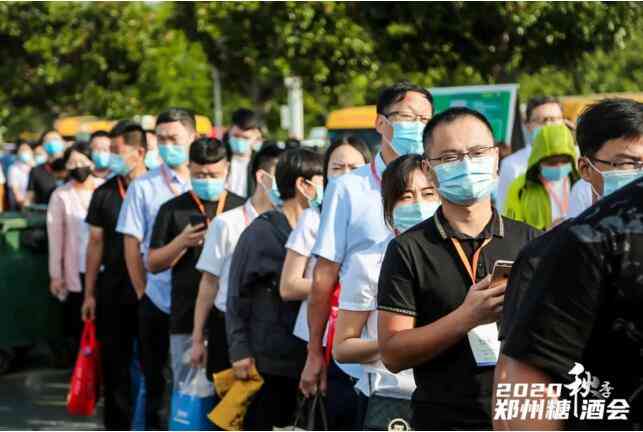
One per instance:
(83, 391)
(332, 322)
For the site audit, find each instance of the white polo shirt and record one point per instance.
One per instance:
(220, 242)
(359, 293)
(580, 198)
(238, 178)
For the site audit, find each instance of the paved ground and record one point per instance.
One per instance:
(33, 397)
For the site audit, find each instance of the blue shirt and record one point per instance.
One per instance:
(145, 196)
(352, 218)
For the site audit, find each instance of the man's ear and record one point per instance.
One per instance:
(584, 169)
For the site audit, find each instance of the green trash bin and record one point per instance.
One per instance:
(28, 313)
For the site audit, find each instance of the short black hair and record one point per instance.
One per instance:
(293, 164)
(448, 116)
(205, 151)
(98, 134)
(351, 140)
(394, 181)
(181, 115)
(80, 147)
(397, 92)
(606, 120)
(245, 119)
(264, 159)
(132, 133)
(537, 101)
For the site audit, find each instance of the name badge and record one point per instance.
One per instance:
(485, 344)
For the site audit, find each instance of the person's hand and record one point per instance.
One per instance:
(88, 311)
(243, 367)
(313, 377)
(57, 287)
(197, 358)
(192, 236)
(483, 303)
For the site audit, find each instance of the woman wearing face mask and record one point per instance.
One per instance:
(68, 235)
(18, 176)
(408, 198)
(297, 276)
(541, 196)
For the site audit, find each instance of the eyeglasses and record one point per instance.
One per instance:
(407, 117)
(624, 165)
(475, 153)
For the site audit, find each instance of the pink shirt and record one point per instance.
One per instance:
(68, 233)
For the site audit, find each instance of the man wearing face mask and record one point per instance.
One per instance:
(435, 297)
(351, 219)
(541, 111)
(243, 138)
(175, 130)
(109, 295)
(177, 240)
(541, 196)
(18, 176)
(596, 320)
(43, 179)
(99, 142)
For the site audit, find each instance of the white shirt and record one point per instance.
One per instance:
(359, 293)
(580, 198)
(352, 217)
(219, 245)
(301, 240)
(511, 168)
(18, 177)
(238, 177)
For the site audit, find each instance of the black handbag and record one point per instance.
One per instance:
(311, 414)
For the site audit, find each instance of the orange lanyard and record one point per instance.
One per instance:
(168, 182)
(201, 207)
(377, 177)
(121, 188)
(562, 205)
(472, 267)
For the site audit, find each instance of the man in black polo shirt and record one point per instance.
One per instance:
(438, 308)
(579, 325)
(109, 295)
(43, 179)
(177, 240)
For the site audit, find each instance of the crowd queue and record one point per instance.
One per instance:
(367, 278)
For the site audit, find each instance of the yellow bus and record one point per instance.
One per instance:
(357, 121)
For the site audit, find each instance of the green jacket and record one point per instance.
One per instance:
(527, 199)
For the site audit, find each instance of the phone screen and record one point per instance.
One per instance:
(501, 271)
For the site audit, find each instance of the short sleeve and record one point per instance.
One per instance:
(216, 248)
(94, 213)
(359, 284)
(303, 237)
(558, 311)
(131, 219)
(335, 219)
(161, 234)
(396, 288)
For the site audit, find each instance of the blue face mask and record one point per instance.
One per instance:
(533, 134)
(273, 193)
(467, 181)
(316, 202)
(239, 145)
(118, 166)
(101, 159)
(614, 180)
(555, 173)
(208, 189)
(53, 147)
(25, 158)
(152, 159)
(406, 216)
(40, 159)
(407, 137)
(173, 155)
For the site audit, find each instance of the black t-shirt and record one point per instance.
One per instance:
(171, 220)
(423, 276)
(42, 182)
(115, 286)
(586, 305)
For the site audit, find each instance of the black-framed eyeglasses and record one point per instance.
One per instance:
(407, 116)
(621, 165)
(475, 153)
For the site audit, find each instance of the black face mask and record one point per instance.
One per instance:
(80, 174)
(58, 164)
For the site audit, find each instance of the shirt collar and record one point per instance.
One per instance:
(174, 177)
(495, 227)
(250, 209)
